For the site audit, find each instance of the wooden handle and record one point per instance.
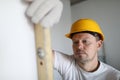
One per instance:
(44, 53)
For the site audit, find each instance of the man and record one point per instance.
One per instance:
(87, 39)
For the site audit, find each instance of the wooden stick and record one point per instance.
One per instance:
(44, 53)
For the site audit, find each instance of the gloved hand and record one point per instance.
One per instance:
(47, 12)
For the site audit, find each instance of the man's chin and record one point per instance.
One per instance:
(81, 55)
(81, 59)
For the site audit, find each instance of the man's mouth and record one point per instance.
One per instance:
(80, 52)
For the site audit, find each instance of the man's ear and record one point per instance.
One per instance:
(99, 44)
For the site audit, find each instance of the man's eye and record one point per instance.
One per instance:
(86, 42)
(75, 42)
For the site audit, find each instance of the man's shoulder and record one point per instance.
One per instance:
(110, 68)
(65, 59)
(63, 55)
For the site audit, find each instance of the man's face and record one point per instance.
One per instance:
(85, 47)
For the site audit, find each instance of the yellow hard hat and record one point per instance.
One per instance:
(85, 25)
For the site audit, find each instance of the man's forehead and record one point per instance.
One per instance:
(82, 35)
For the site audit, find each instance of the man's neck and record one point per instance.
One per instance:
(90, 66)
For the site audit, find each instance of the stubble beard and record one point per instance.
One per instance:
(83, 59)
(80, 59)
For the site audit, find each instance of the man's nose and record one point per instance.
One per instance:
(80, 45)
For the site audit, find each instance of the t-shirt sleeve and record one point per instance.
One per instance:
(62, 62)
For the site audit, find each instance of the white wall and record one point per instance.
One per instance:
(17, 48)
(17, 45)
(107, 14)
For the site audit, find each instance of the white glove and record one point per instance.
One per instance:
(47, 12)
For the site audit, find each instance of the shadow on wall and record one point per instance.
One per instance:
(102, 54)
